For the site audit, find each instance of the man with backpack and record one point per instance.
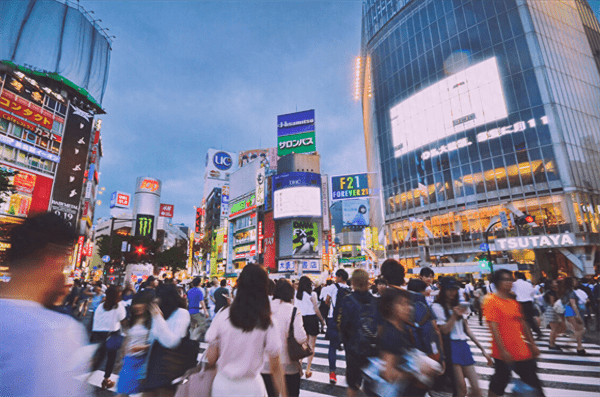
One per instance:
(333, 294)
(359, 322)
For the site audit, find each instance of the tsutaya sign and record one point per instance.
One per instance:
(531, 242)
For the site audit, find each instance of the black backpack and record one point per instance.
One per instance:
(339, 297)
(363, 341)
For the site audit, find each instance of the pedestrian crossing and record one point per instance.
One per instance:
(563, 374)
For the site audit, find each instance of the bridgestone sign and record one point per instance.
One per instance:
(532, 242)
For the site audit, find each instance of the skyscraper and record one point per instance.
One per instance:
(477, 112)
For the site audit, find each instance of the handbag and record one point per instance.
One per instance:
(296, 351)
(197, 381)
(558, 307)
(166, 365)
(114, 341)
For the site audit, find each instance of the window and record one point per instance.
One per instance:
(17, 131)
(3, 125)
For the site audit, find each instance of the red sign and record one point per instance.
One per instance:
(79, 249)
(21, 107)
(166, 210)
(269, 241)
(260, 237)
(123, 199)
(29, 126)
(149, 184)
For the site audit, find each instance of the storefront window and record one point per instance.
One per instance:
(3, 125)
(17, 131)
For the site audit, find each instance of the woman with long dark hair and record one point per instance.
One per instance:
(449, 314)
(108, 319)
(556, 321)
(308, 306)
(240, 337)
(282, 309)
(572, 314)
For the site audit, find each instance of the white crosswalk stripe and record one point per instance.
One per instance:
(563, 374)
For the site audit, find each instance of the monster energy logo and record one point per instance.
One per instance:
(145, 224)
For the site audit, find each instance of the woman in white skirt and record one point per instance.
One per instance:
(241, 335)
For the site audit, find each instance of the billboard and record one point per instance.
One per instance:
(120, 200)
(225, 201)
(467, 99)
(32, 194)
(325, 203)
(305, 239)
(294, 179)
(296, 123)
(144, 225)
(267, 157)
(355, 212)
(270, 253)
(260, 187)
(166, 210)
(68, 183)
(296, 202)
(296, 133)
(242, 206)
(299, 143)
(354, 186)
(220, 164)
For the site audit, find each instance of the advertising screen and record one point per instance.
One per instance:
(354, 186)
(267, 157)
(296, 123)
(467, 99)
(220, 164)
(299, 143)
(144, 225)
(243, 206)
(294, 179)
(305, 239)
(269, 242)
(68, 184)
(166, 210)
(297, 201)
(355, 212)
(120, 200)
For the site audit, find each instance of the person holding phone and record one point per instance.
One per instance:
(451, 322)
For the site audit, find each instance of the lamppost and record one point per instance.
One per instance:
(110, 243)
(487, 244)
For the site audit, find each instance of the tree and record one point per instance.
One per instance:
(175, 257)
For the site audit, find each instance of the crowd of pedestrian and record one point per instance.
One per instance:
(406, 338)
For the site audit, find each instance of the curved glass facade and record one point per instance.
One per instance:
(463, 114)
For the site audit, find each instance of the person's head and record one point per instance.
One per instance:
(393, 272)
(568, 283)
(448, 296)
(416, 285)
(251, 307)
(362, 209)
(341, 276)
(329, 282)
(304, 285)
(113, 297)
(394, 305)
(519, 276)
(152, 282)
(223, 283)
(139, 307)
(169, 299)
(503, 280)
(39, 253)
(551, 285)
(196, 282)
(360, 280)
(283, 290)
(427, 275)
(271, 288)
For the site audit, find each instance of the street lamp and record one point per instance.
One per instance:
(487, 244)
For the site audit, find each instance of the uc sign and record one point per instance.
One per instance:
(149, 184)
(222, 161)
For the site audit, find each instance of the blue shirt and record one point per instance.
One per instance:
(195, 296)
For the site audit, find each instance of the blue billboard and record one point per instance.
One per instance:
(293, 179)
(296, 123)
(354, 186)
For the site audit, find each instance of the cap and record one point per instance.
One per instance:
(449, 283)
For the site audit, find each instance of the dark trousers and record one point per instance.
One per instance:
(527, 371)
(111, 355)
(529, 314)
(334, 343)
(292, 383)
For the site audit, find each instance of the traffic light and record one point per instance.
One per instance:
(525, 220)
(112, 270)
(140, 250)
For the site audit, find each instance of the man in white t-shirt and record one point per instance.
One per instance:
(330, 293)
(211, 297)
(42, 350)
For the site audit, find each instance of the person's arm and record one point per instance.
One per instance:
(451, 322)
(278, 376)
(529, 338)
(299, 332)
(506, 356)
(575, 306)
(479, 345)
(313, 299)
(203, 307)
(212, 354)
(169, 336)
(390, 372)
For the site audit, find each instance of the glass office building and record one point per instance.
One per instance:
(483, 111)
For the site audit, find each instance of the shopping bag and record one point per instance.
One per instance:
(197, 382)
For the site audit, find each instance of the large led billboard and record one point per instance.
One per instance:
(467, 99)
(296, 133)
(301, 201)
(355, 212)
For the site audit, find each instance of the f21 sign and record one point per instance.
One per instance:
(354, 186)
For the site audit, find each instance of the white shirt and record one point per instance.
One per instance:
(41, 351)
(109, 321)
(332, 290)
(458, 332)
(241, 354)
(432, 294)
(169, 332)
(282, 315)
(583, 297)
(523, 290)
(306, 305)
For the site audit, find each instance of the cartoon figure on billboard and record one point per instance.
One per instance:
(305, 238)
(355, 212)
(359, 219)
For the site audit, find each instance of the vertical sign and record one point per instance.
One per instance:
(503, 219)
(144, 225)
(68, 184)
(260, 237)
(260, 187)
(325, 203)
(80, 241)
(225, 201)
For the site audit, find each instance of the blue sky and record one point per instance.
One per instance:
(189, 75)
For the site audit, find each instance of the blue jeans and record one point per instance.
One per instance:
(334, 342)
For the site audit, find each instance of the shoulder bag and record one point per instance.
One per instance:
(197, 382)
(296, 351)
(165, 365)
